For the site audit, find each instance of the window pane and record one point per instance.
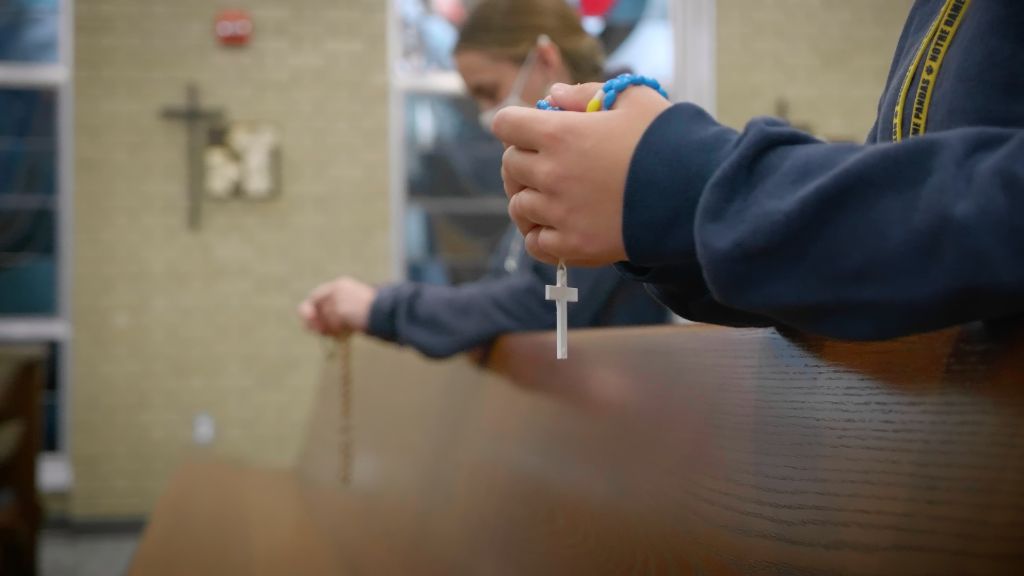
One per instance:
(28, 157)
(29, 30)
(51, 407)
(456, 202)
(638, 36)
(456, 213)
(428, 35)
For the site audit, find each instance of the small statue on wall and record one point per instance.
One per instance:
(226, 160)
(242, 161)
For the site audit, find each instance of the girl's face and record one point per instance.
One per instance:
(489, 79)
(495, 82)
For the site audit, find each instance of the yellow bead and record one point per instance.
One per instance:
(595, 104)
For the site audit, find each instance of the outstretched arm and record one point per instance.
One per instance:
(440, 321)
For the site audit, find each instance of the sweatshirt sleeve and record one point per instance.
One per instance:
(441, 321)
(849, 241)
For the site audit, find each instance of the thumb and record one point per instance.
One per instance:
(574, 98)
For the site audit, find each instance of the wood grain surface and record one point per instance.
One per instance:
(683, 450)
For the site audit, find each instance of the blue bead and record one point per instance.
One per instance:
(609, 100)
(612, 89)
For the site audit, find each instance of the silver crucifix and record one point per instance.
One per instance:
(562, 294)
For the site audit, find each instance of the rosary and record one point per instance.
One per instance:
(344, 360)
(326, 455)
(561, 293)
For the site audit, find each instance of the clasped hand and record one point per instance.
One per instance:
(565, 172)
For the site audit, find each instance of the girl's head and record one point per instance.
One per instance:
(511, 51)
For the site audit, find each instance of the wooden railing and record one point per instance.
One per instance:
(675, 450)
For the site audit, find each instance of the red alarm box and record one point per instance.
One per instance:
(596, 7)
(233, 27)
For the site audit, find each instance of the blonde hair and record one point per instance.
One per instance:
(510, 28)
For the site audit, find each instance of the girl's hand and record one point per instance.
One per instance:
(339, 306)
(565, 172)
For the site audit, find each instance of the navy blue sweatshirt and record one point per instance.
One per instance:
(771, 226)
(440, 321)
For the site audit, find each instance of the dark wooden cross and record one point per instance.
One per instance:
(196, 118)
(782, 111)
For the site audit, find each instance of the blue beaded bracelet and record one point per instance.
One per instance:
(605, 98)
(545, 105)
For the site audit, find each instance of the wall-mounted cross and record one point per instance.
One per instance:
(196, 118)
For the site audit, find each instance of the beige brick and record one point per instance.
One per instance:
(828, 58)
(170, 322)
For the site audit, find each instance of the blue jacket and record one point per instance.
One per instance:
(771, 226)
(440, 321)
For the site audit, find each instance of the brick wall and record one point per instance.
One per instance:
(827, 58)
(169, 322)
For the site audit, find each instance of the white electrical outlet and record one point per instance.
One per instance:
(204, 429)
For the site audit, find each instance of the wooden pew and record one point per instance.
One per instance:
(22, 372)
(675, 450)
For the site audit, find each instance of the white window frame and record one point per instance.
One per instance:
(695, 32)
(54, 468)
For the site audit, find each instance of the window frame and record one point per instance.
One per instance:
(54, 467)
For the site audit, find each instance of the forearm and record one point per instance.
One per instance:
(440, 321)
(849, 241)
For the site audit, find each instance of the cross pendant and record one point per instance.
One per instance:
(562, 294)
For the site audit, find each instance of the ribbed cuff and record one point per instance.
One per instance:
(382, 322)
